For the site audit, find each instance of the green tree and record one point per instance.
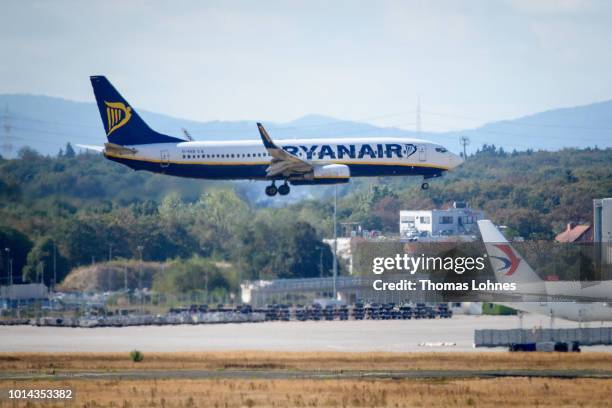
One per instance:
(267, 249)
(195, 274)
(218, 215)
(14, 248)
(41, 261)
(303, 253)
(69, 151)
(82, 242)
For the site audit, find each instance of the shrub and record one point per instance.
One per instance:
(136, 356)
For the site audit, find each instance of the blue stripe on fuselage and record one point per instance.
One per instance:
(258, 171)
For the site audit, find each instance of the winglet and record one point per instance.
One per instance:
(282, 161)
(265, 137)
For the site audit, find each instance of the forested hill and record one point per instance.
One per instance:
(88, 207)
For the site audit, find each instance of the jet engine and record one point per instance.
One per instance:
(326, 174)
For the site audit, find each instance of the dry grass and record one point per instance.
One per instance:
(306, 361)
(517, 392)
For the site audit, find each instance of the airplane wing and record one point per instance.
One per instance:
(283, 163)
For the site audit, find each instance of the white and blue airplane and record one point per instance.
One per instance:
(297, 162)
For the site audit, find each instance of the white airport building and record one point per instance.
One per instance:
(460, 220)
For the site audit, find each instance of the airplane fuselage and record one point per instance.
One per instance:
(249, 159)
(562, 290)
(574, 311)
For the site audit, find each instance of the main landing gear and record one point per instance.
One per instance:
(283, 190)
(425, 186)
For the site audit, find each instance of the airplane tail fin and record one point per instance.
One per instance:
(121, 122)
(507, 263)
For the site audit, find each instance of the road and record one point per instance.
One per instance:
(368, 335)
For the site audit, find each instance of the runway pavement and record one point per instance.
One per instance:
(299, 374)
(456, 334)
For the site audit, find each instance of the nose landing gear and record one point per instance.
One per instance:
(425, 186)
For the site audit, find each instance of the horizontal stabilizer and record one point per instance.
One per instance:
(113, 148)
(98, 149)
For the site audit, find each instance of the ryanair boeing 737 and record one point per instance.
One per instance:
(297, 162)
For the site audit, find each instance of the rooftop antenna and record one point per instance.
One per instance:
(7, 146)
(187, 134)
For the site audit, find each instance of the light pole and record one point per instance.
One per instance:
(8, 255)
(125, 284)
(140, 248)
(54, 265)
(9, 266)
(335, 240)
(110, 257)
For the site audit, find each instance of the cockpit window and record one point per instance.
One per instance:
(441, 150)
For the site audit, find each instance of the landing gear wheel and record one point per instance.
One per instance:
(425, 186)
(271, 190)
(284, 189)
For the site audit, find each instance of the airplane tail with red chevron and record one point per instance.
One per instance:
(507, 263)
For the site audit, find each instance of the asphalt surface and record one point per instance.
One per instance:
(288, 374)
(456, 334)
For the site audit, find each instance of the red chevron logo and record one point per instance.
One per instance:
(512, 262)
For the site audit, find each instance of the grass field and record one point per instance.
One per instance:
(307, 361)
(515, 392)
(308, 392)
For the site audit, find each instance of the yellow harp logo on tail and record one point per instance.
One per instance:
(117, 115)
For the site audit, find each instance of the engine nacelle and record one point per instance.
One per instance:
(334, 171)
(326, 174)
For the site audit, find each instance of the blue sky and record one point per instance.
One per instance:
(470, 61)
